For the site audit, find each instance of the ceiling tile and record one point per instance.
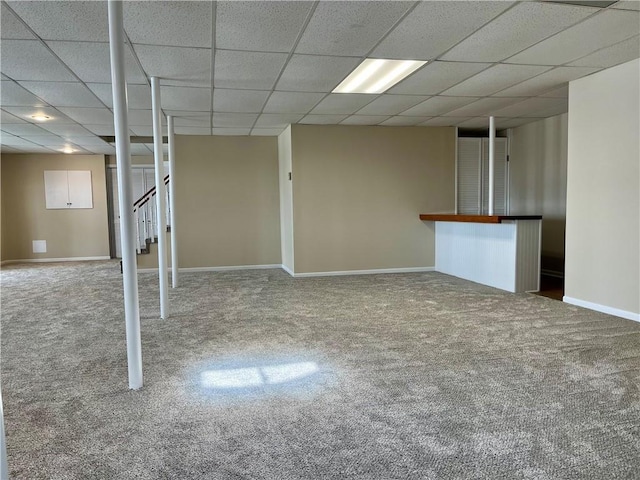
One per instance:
(141, 130)
(91, 62)
(183, 24)
(436, 77)
(189, 119)
(292, 102)
(322, 119)
(273, 120)
(25, 113)
(259, 26)
(603, 29)
(89, 115)
(45, 140)
(476, 122)
(143, 118)
(482, 107)
(230, 131)
(234, 120)
(78, 20)
(346, 103)
(14, 95)
(192, 130)
(266, 132)
(433, 27)
(400, 121)
(353, 27)
(190, 66)
(443, 121)
(627, 5)
(306, 73)
(64, 130)
(186, 98)
(84, 141)
(534, 107)
(11, 26)
(139, 96)
(63, 94)
(523, 25)
(364, 119)
(495, 79)
(391, 104)
(250, 70)
(8, 149)
(547, 81)
(6, 117)
(106, 130)
(12, 140)
(102, 150)
(608, 57)
(435, 106)
(562, 92)
(249, 101)
(21, 129)
(139, 149)
(30, 60)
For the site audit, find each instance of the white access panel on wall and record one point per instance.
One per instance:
(68, 189)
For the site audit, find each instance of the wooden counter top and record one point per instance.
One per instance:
(450, 217)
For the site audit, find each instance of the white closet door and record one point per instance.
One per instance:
(500, 176)
(56, 189)
(80, 191)
(469, 165)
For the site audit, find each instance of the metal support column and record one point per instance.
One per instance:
(125, 195)
(492, 155)
(172, 202)
(161, 207)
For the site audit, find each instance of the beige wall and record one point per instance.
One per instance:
(69, 233)
(227, 201)
(538, 182)
(603, 190)
(358, 192)
(286, 199)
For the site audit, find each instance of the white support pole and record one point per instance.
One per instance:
(492, 155)
(125, 195)
(172, 202)
(161, 207)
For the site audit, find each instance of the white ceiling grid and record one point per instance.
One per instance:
(251, 68)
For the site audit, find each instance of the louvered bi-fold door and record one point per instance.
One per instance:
(500, 177)
(473, 176)
(469, 165)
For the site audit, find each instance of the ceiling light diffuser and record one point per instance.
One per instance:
(377, 75)
(68, 149)
(38, 117)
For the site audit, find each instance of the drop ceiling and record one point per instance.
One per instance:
(251, 68)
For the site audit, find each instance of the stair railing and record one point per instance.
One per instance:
(146, 222)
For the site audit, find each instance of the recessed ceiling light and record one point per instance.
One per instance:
(38, 117)
(376, 75)
(67, 149)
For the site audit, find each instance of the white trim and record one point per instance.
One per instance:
(215, 269)
(364, 272)
(602, 308)
(50, 260)
(288, 270)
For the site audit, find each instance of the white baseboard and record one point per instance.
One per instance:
(288, 270)
(602, 308)
(363, 272)
(214, 269)
(50, 260)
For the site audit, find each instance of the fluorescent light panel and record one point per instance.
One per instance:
(376, 75)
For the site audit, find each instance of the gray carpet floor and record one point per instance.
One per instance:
(260, 376)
